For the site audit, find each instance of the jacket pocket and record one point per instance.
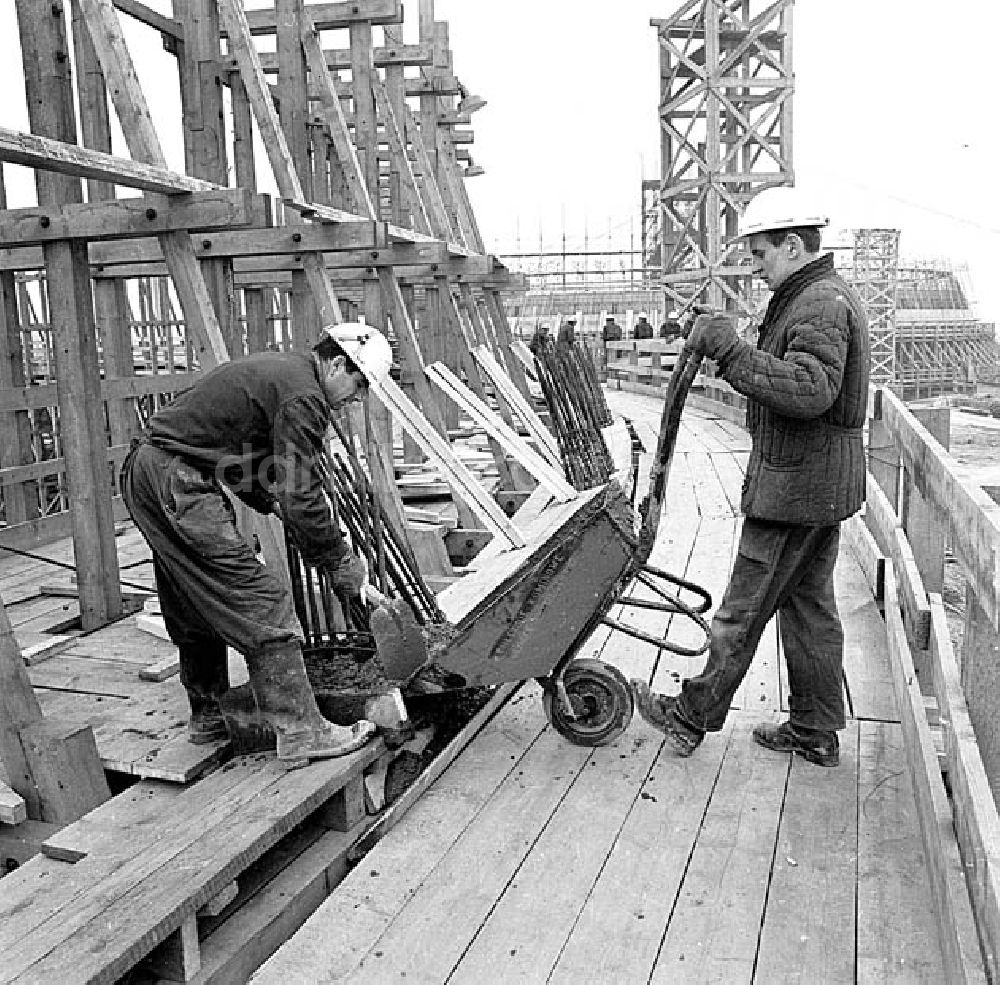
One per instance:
(790, 447)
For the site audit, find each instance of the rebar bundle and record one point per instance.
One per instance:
(578, 410)
(328, 618)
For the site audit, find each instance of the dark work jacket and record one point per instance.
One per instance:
(807, 384)
(256, 425)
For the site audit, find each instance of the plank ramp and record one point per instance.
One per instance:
(533, 860)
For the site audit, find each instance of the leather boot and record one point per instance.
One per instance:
(204, 672)
(285, 699)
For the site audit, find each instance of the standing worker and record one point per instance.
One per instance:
(807, 387)
(642, 330)
(255, 426)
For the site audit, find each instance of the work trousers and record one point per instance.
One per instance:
(213, 591)
(785, 569)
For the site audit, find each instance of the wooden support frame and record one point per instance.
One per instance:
(543, 471)
(208, 278)
(544, 439)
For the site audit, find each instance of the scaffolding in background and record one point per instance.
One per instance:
(725, 109)
(875, 276)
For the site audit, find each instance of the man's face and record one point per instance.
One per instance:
(772, 263)
(343, 385)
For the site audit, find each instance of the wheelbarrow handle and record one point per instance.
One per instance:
(681, 378)
(647, 573)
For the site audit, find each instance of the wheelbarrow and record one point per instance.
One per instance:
(529, 613)
(533, 621)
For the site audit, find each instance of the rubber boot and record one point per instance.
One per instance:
(286, 700)
(204, 672)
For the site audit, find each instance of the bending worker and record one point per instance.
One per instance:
(254, 426)
(807, 386)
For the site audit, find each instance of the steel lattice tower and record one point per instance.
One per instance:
(876, 277)
(725, 134)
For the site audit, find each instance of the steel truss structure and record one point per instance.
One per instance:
(876, 275)
(725, 134)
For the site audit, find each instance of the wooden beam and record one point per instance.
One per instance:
(12, 806)
(339, 59)
(544, 439)
(543, 471)
(458, 477)
(126, 218)
(49, 154)
(145, 15)
(329, 16)
(51, 106)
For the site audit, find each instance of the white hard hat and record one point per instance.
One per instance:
(365, 346)
(780, 208)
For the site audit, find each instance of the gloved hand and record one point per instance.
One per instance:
(348, 574)
(713, 336)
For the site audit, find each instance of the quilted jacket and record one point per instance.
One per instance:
(807, 384)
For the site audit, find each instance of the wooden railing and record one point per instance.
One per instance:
(919, 506)
(642, 365)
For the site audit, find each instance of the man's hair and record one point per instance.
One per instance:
(328, 348)
(810, 236)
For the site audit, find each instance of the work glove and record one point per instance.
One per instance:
(348, 574)
(713, 336)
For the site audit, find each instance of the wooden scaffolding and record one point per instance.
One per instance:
(111, 301)
(128, 280)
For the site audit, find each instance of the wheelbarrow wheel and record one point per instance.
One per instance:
(601, 700)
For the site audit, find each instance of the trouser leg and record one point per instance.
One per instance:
(747, 605)
(774, 562)
(204, 667)
(812, 638)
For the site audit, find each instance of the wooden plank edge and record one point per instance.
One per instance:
(13, 809)
(866, 552)
(880, 515)
(241, 944)
(398, 808)
(977, 822)
(958, 939)
(916, 609)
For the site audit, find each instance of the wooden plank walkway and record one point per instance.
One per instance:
(94, 679)
(533, 860)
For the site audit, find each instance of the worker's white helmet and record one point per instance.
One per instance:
(365, 346)
(780, 208)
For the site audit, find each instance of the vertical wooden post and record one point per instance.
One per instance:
(52, 765)
(49, 89)
(883, 459)
(379, 444)
(205, 150)
(20, 501)
(254, 302)
(111, 311)
(365, 120)
(924, 531)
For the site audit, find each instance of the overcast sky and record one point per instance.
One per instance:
(894, 107)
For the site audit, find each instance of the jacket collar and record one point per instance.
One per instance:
(794, 285)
